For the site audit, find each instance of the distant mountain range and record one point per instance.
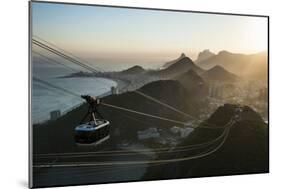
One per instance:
(134, 70)
(167, 64)
(204, 55)
(181, 65)
(224, 66)
(218, 73)
(189, 74)
(254, 65)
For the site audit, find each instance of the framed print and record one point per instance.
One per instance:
(121, 94)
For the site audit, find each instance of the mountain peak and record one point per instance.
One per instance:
(167, 64)
(226, 111)
(184, 60)
(218, 68)
(224, 52)
(205, 54)
(134, 70)
(219, 73)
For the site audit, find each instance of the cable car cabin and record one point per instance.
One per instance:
(92, 133)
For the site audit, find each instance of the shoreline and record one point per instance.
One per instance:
(121, 85)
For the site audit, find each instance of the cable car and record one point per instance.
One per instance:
(97, 130)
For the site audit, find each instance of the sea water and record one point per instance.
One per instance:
(46, 99)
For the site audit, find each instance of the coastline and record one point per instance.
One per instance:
(121, 85)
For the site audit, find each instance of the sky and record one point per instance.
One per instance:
(135, 36)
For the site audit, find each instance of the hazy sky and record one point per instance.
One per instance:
(144, 35)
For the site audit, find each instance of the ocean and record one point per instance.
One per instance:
(46, 99)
